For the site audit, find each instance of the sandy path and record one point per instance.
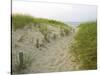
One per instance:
(55, 57)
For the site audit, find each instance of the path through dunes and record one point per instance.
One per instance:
(54, 57)
(39, 54)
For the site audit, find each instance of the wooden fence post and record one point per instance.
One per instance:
(37, 43)
(54, 36)
(46, 37)
(21, 59)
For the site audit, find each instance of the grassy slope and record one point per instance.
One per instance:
(19, 21)
(85, 46)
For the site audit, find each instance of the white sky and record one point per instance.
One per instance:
(61, 12)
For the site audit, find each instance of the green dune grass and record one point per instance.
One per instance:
(20, 20)
(84, 47)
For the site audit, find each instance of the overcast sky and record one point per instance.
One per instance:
(61, 12)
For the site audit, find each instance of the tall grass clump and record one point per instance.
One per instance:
(84, 47)
(22, 63)
(19, 20)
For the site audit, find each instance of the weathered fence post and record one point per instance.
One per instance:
(62, 32)
(54, 36)
(37, 43)
(46, 37)
(21, 59)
